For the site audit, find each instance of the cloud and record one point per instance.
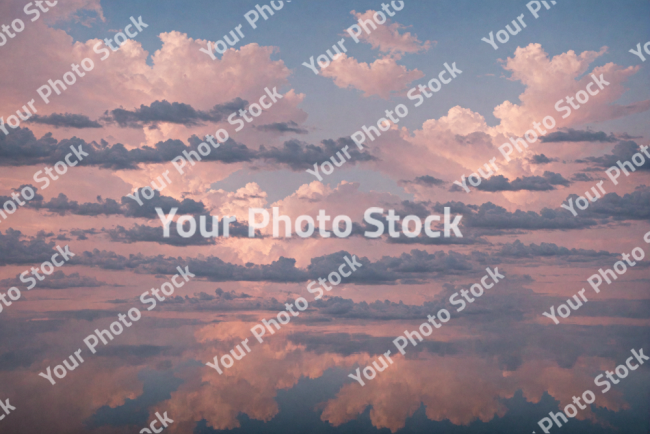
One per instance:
(631, 206)
(61, 205)
(21, 358)
(300, 156)
(36, 199)
(176, 113)
(387, 37)
(491, 216)
(82, 314)
(623, 151)
(541, 159)
(518, 250)
(16, 249)
(128, 206)
(21, 148)
(549, 80)
(143, 233)
(381, 77)
(59, 280)
(530, 183)
(229, 295)
(408, 268)
(581, 177)
(81, 233)
(85, 12)
(283, 127)
(66, 120)
(137, 354)
(132, 77)
(425, 181)
(571, 135)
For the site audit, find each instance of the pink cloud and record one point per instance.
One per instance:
(549, 80)
(381, 77)
(388, 39)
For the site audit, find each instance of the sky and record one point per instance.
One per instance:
(498, 365)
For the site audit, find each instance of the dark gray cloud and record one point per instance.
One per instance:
(571, 135)
(230, 303)
(283, 127)
(16, 249)
(143, 233)
(62, 205)
(422, 210)
(631, 206)
(530, 183)
(413, 267)
(22, 148)
(409, 268)
(611, 207)
(128, 206)
(59, 280)
(65, 120)
(82, 234)
(166, 112)
(623, 151)
(21, 358)
(541, 159)
(148, 208)
(42, 234)
(300, 156)
(581, 177)
(425, 181)
(228, 295)
(36, 199)
(519, 250)
(491, 216)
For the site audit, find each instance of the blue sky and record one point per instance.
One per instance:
(303, 29)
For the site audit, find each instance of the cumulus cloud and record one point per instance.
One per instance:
(132, 79)
(381, 77)
(387, 37)
(548, 80)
